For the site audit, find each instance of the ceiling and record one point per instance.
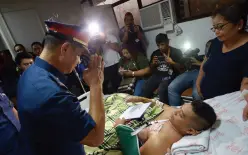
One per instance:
(34, 1)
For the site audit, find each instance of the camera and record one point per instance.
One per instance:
(131, 28)
(191, 53)
(187, 56)
(96, 42)
(161, 59)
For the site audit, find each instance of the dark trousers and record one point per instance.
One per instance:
(112, 79)
(154, 82)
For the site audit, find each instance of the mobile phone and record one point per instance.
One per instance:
(123, 70)
(161, 58)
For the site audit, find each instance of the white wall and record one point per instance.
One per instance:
(196, 33)
(104, 16)
(5, 34)
(25, 26)
(69, 12)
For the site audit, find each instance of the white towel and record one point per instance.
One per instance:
(192, 144)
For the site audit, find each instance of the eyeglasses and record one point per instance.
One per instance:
(219, 27)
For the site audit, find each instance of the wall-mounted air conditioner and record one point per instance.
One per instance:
(158, 15)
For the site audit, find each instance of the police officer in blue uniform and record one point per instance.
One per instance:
(52, 121)
(9, 127)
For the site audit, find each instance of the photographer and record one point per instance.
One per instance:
(131, 33)
(164, 66)
(107, 46)
(186, 80)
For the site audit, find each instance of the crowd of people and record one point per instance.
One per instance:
(49, 118)
(12, 69)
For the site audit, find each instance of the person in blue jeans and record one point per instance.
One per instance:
(180, 84)
(185, 81)
(134, 64)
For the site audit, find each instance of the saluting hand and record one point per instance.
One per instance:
(94, 73)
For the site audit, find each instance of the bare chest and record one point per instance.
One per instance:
(167, 113)
(166, 137)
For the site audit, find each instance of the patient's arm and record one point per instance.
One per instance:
(143, 135)
(120, 121)
(138, 99)
(144, 100)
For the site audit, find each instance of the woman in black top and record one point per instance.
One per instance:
(225, 68)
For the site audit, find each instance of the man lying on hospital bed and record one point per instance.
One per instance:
(174, 123)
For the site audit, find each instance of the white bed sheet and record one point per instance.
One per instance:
(85, 104)
(230, 136)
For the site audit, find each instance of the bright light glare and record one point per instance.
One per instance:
(93, 29)
(187, 46)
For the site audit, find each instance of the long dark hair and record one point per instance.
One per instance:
(132, 49)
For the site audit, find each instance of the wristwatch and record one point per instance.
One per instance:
(133, 74)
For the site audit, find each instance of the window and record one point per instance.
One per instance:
(193, 9)
(128, 6)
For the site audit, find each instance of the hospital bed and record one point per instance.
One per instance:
(229, 135)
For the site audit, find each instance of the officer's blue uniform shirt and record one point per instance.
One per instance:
(9, 128)
(52, 120)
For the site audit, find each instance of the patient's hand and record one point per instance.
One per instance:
(143, 135)
(120, 121)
